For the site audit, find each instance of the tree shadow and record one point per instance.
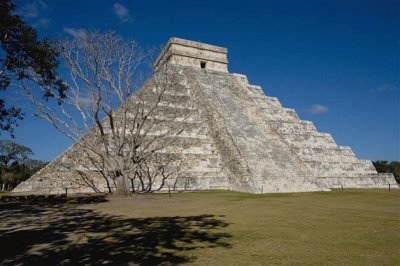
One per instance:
(33, 233)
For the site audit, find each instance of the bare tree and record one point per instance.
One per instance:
(120, 132)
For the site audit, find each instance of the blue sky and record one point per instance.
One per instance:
(335, 62)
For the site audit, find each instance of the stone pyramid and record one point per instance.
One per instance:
(242, 140)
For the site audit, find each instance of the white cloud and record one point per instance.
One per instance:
(42, 4)
(386, 87)
(33, 9)
(76, 33)
(41, 23)
(122, 12)
(317, 109)
(84, 101)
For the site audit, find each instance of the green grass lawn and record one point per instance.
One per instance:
(357, 227)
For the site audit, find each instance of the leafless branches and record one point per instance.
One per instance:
(120, 132)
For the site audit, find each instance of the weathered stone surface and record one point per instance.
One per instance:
(236, 138)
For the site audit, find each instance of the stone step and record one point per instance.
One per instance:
(282, 114)
(172, 128)
(267, 102)
(169, 97)
(240, 78)
(316, 140)
(203, 150)
(338, 168)
(294, 127)
(331, 151)
(255, 91)
(277, 186)
(367, 165)
(201, 171)
(149, 105)
(365, 181)
(327, 158)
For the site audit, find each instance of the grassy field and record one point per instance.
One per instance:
(358, 227)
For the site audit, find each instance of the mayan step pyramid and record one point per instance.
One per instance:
(240, 138)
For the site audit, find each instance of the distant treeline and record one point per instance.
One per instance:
(15, 164)
(386, 167)
(17, 172)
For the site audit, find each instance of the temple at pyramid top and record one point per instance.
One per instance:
(195, 54)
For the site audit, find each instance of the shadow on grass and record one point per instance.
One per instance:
(56, 233)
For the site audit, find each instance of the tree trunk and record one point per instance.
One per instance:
(132, 186)
(122, 184)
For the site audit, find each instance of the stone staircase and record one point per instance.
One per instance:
(268, 160)
(318, 152)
